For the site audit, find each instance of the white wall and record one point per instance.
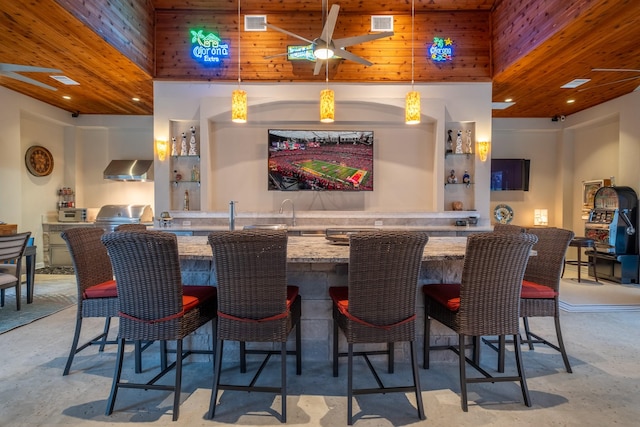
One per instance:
(408, 166)
(596, 143)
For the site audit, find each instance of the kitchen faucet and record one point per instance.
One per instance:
(293, 211)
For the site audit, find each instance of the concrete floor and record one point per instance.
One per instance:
(603, 390)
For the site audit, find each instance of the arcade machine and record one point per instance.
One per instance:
(612, 224)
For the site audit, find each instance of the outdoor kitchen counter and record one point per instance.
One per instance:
(315, 264)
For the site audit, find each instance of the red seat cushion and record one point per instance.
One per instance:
(292, 294)
(536, 290)
(340, 296)
(102, 290)
(192, 296)
(445, 294)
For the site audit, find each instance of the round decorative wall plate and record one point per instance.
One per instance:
(39, 161)
(503, 214)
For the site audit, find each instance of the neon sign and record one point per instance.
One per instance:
(441, 50)
(208, 49)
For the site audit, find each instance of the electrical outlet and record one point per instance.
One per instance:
(377, 223)
(186, 223)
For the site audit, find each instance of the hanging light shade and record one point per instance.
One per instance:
(239, 106)
(327, 107)
(412, 108)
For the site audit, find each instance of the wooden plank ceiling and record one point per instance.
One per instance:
(115, 49)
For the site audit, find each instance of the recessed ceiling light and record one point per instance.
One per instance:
(570, 101)
(501, 105)
(575, 83)
(136, 99)
(66, 96)
(508, 100)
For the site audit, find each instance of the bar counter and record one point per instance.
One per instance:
(315, 264)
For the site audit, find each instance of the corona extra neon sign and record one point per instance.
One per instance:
(441, 50)
(208, 49)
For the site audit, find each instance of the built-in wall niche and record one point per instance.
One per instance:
(459, 166)
(184, 165)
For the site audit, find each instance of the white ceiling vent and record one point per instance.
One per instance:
(381, 22)
(65, 80)
(255, 22)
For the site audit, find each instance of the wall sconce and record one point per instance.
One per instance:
(540, 217)
(161, 149)
(483, 150)
(327, 107)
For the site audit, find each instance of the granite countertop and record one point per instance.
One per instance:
(302, 249)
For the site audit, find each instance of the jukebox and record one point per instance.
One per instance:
(612, 225)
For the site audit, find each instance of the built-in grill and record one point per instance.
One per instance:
(111, 216)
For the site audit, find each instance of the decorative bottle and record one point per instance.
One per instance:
(186, 200)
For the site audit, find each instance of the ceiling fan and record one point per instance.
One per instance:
(627, 70)
(12, 70)
(325, 46)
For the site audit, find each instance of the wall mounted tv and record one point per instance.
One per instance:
(320, 160)
(510, 174)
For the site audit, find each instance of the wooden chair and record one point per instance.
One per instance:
(12, 248)
(97, 293)
(486, 302)
(254, 303)
(153, 303)
(379, 304)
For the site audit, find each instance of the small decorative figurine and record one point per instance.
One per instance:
(452, 178)
(466, 178)
(459, 143)
(192, 143)
(174, 147)
(449, 142)
(469, 143)
(183, 145)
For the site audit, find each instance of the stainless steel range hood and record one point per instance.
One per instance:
(129, 170)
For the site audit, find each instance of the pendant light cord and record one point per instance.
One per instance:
(239, 44)
(413, 13)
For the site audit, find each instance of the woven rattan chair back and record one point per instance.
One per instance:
(546, 267)
(251, 272)
(130, 227)
(12, 248)
(508, 228)
(91, 263)
(147, 271)
(494, 265)
(383, 276)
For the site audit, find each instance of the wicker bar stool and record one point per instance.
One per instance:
(153, 306)
(130, 227)
(254, 304)
(97, 293)
(486, 302)
(379, 304)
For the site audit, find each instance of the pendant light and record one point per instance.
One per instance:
(412, 100)
(239, 96)
(327, 105)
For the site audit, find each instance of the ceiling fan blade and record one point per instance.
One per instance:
(609, 83)
(616, 69)
(350, 41)
(318, 67)
(27, 68)
(282, 30)
(22, 78)
(330, 25)
(345, 54)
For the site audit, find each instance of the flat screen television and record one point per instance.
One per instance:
(510, 174)
(320, 160)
